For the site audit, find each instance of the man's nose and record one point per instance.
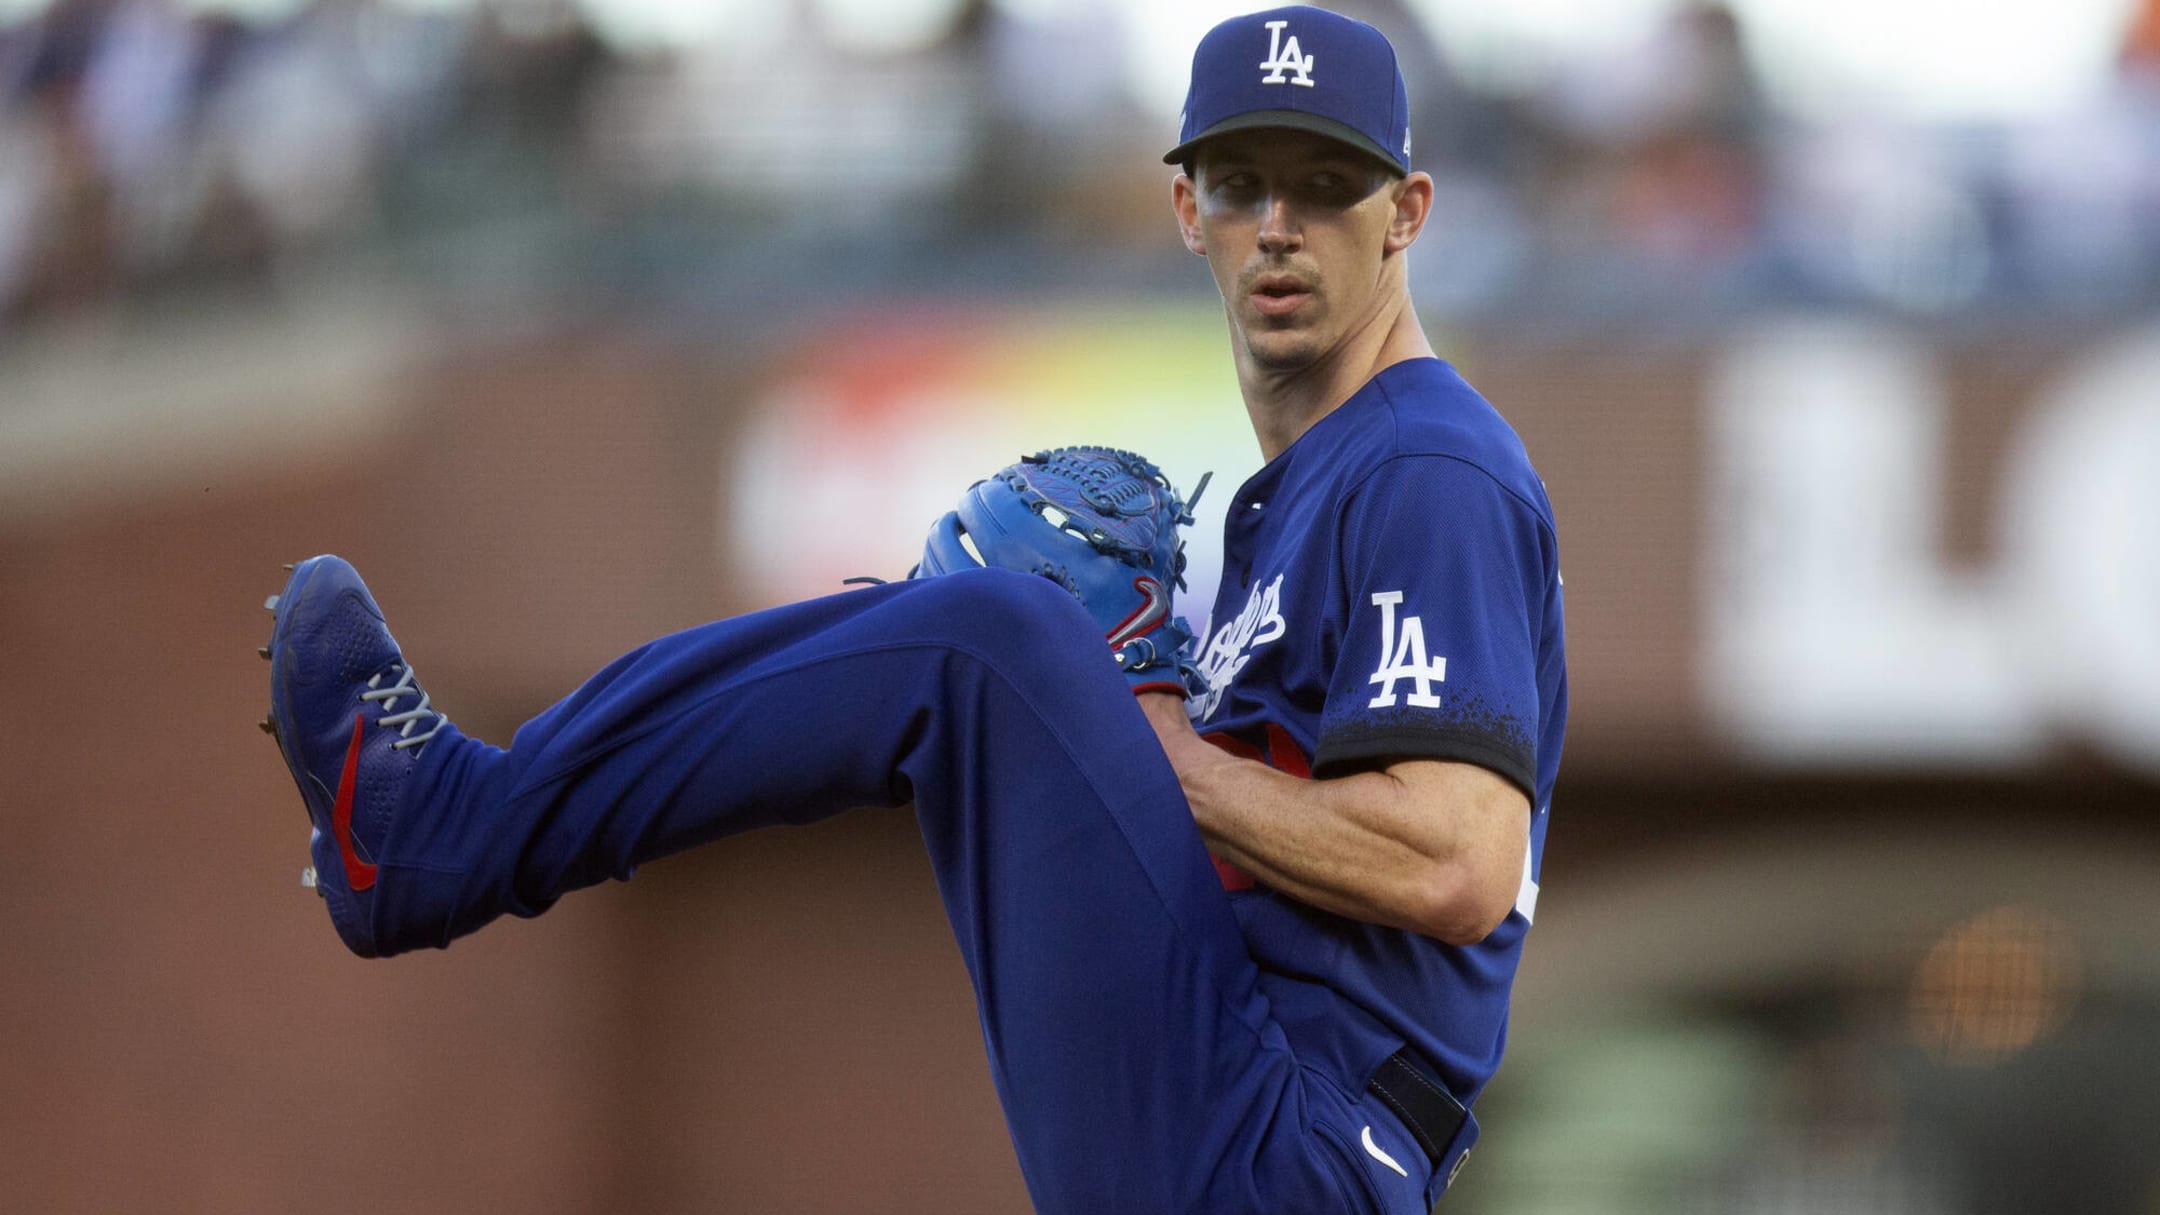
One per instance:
(1279, 231)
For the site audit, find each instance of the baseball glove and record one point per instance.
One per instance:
(1099, 522)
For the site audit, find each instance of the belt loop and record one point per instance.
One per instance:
(1433, 1114)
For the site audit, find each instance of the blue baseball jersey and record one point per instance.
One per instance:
(1391, 590)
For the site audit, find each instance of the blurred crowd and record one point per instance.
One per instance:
(147, 144)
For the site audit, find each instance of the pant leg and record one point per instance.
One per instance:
(1128, 1039)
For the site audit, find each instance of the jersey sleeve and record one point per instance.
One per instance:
(1443, 573)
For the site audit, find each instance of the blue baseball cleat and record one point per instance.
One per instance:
(352, 724)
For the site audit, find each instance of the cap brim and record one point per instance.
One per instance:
(1295, 120)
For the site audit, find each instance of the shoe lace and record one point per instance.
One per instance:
(409, 718)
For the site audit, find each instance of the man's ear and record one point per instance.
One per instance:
(1185, 200)
(1413, 206)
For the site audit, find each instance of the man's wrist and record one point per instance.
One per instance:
(1165, 712)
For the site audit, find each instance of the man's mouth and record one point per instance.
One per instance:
(1278, 295)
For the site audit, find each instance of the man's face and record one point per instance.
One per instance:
(1295, 227)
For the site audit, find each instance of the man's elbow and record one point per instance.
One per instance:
(1464, 904)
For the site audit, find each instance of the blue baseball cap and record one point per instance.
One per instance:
(1300, 67)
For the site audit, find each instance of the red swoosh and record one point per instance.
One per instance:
(358, 873)
(1150, 613)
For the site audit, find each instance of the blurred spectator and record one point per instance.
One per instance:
(1061, 135)
(145, 145)
(1658, 178)
(136, 103)
(26, 191)
(1871, 211)
(2141, 43)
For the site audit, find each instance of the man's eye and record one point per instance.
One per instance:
(1334, 188)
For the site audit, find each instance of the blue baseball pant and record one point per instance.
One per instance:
(1128, 1034)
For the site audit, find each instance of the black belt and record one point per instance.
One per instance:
(1433, 1115)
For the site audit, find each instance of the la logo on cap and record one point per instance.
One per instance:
(1285, 57)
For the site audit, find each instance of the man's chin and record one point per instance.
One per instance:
(1282, 350)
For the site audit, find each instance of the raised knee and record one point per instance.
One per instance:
(1007, 608)
(1001, 594)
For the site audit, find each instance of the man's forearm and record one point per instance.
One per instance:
(1369, 846)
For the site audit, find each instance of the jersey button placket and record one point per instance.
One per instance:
(1245, 517)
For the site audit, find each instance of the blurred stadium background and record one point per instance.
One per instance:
(1834, 327)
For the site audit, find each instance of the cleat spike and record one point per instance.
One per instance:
(270, 604)
(263, 652)
(307, 878)
(288, 567)
(267, 726)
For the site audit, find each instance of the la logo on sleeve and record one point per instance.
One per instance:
(1402, 657)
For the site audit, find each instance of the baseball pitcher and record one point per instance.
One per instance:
(1241, 908)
